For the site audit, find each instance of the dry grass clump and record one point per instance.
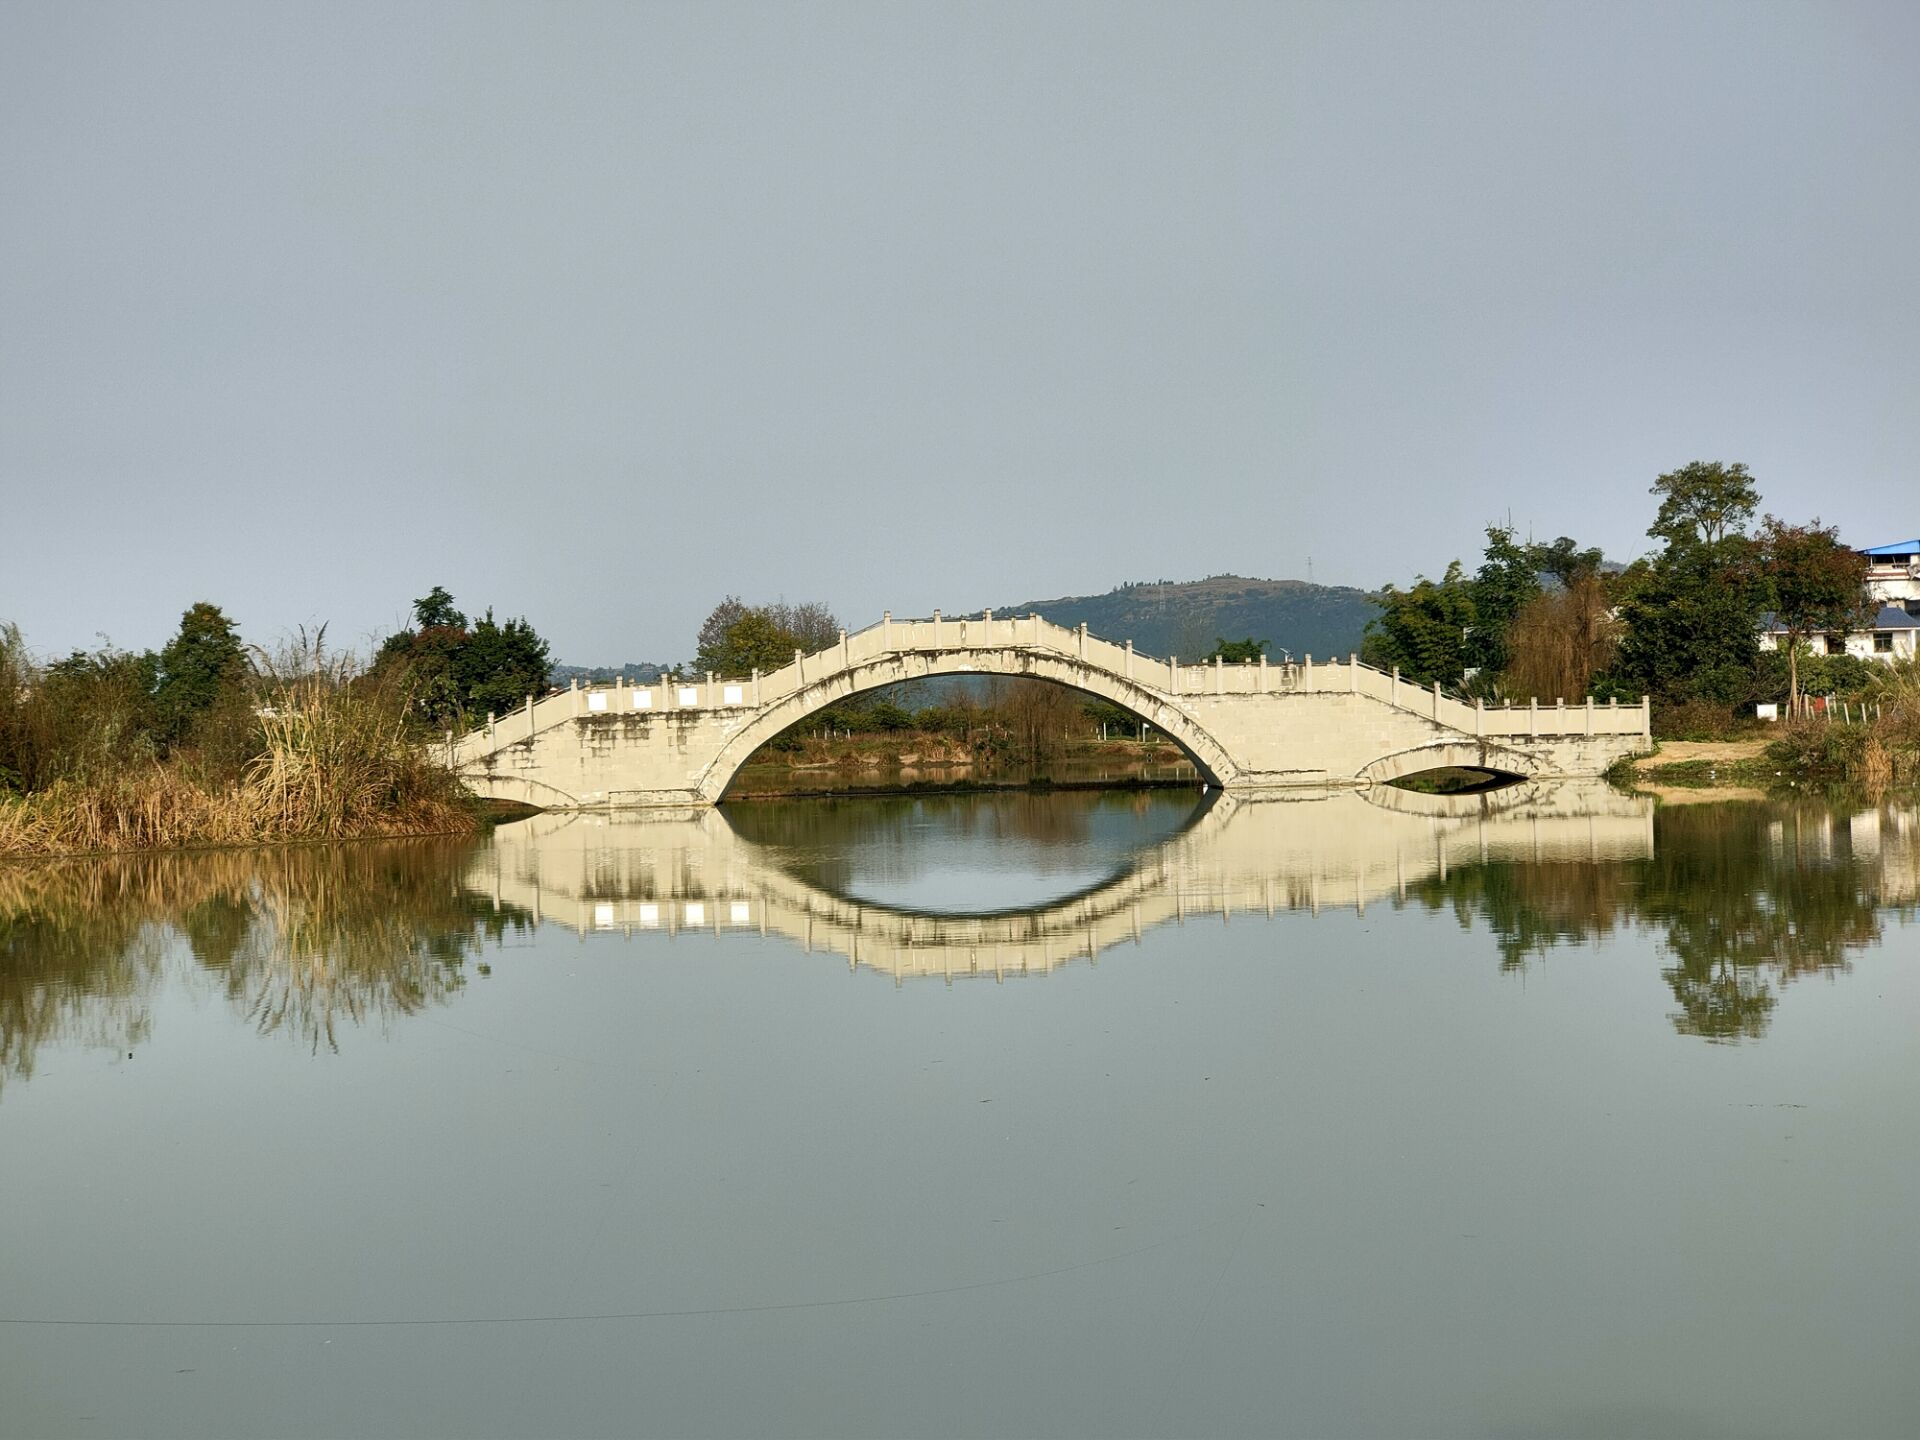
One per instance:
(153, 807)
(339, 762)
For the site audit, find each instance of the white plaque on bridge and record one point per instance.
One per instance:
(689, 697)
(739, 912)
(597, 700)
(643, 699)
(732, 695)
(650, 917)
(696, 913)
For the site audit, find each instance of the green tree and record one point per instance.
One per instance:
(752, 641)
(1692, 613)
(1691, 629)
(458, 673)
(1423, 630)
(1565, 561)
(203, 664)
(1703, 503)
(1235, 652)
(737, 638)
(1813, 582)
(1507, 579)
(499, 665)
(435, 610)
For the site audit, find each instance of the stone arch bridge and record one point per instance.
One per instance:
(1247, 728)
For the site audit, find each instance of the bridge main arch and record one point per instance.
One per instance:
(1209, 756)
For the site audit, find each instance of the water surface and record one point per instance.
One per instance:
(1533, 1113)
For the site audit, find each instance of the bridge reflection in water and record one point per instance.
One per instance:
(693, 872)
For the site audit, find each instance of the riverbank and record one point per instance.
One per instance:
(1692, 772)
(165, 810)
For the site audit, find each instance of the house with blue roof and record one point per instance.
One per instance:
(1893, 632)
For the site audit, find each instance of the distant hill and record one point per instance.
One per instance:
(1185, 618)
(1164, 618)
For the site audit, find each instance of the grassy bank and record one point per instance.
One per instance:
(1871, 755)
(321, 757)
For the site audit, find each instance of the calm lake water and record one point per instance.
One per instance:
(1537, 1113)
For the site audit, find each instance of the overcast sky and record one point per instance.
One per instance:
(595, 313)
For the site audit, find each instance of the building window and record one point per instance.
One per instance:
(1836, 644)
(1883, 642)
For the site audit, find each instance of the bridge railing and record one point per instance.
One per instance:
(1032, 633)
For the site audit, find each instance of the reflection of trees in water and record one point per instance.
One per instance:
(299, 939)
(1742, 904)
(1532, 906)
(1739, 911)
(70, 973)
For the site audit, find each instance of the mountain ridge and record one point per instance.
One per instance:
(1166, 618)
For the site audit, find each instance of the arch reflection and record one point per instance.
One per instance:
(693, 870)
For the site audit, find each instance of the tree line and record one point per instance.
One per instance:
(211, 740)
(1681, 624)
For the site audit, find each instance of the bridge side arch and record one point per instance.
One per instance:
(1209, 757)
(488, 784)
(1464, 754)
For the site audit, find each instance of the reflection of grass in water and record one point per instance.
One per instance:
(300, 939)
